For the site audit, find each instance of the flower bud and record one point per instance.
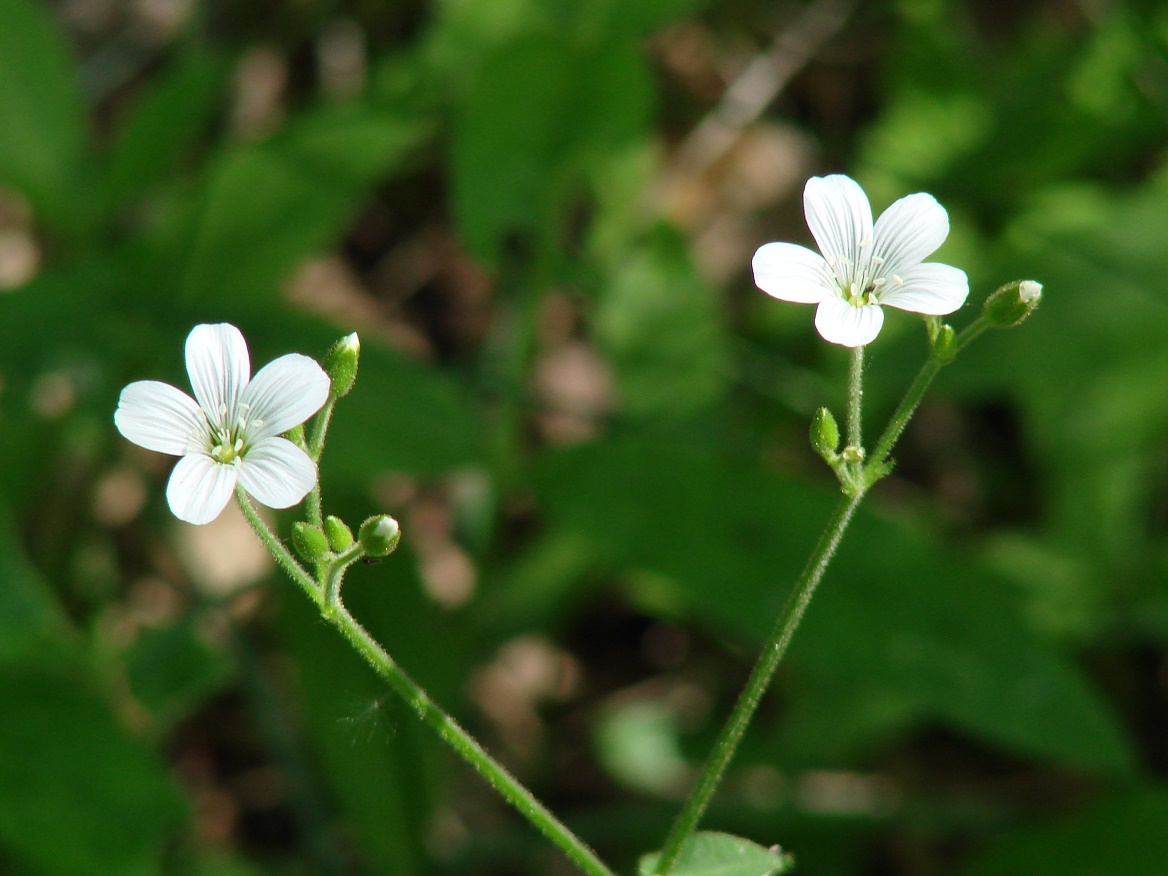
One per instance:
(1012, 303)
(379, 535)
(340, 537)
(945, 344)
(309, 542)
(825, 434)
(341, 364)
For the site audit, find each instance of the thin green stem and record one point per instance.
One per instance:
(314, 509)
(855, 398)
(277, 549)
(466, 746)
(760, 678)
(912, 398)
(334, 575)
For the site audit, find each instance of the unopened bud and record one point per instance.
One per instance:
(309, 542)
(340, 537)
(1012, 303)
(945, 344)
(341, 364)
(825, 434)
(379, 535)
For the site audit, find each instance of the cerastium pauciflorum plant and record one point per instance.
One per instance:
(261, 438)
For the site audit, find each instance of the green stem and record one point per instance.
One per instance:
(327, 597)
(277, 548)
(314, 510)
(466, 746)
(855, 397)
(760, 678)
(875, 468)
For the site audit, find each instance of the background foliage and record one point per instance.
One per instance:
(539, 217)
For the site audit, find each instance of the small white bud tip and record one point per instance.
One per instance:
(353, 342)
(1029, 291)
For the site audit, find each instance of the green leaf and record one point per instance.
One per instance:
(401, 416)
(42, 119)
(900, 630)
(1126, 833)
(266, 207)
(661, 325)
(78, 795)
(540, 110)
(708, 853)
(172, 670)
(164, 123)
(31, 621)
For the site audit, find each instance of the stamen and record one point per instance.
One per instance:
(877, 260)
(899, 282)
(238, 444)
(257, 423)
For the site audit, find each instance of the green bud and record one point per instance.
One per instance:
(379, 535)
(825, 434)
(309, 542)
(340, 364)
(1012, 303)
(945, 344)
(340, 537)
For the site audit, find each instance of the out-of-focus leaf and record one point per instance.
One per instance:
(78, 795)
(540, 108)
(897, 621)
(660, 323)
(42, 120)
(637, 743)
(264, 208)
(708, 853)
(1126, 833)
(402, 416)
(171, 670)
(378, 756)
(163, 124)
(32, 624)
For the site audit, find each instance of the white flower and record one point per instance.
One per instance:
(231, 434)
(862, 266)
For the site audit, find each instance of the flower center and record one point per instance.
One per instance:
(226, 447)
(862, 283)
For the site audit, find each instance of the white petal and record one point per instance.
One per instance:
(285, 393)
(792, 273)
(277, 472)
(840, 219)
(930, 288)
(219, 368)
(842, 323)
(159, 417)
(909, 231)
(199, 488)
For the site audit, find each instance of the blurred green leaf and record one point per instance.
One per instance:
(78, 795)
(163, 124)
(402, 416)
(1125, 833)
(661, 325)
(263, 208)
(540, 108)
(719, 854)
(32, 624)
(898, 622)
(638, 745)
(172, 671)
(42, 119)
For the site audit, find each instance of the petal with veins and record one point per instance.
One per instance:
(199, 488)
(219, 368)
(930, 288)
(792, 273)
(842, 323)
(277, 472)
(840, 220)
(285, 393)
(159, 417)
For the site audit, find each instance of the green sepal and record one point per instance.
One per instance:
(379, 535)
(310, 543)
(340, 363)
(825, 434)
(340, 537)
(1012, 303)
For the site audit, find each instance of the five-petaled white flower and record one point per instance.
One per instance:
(232, 433)
(863, 266)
